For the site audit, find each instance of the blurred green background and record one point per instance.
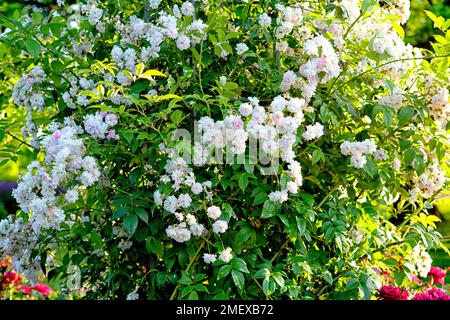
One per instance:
(418, 31)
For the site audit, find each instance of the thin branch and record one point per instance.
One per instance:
(20, 140)
(194, 258)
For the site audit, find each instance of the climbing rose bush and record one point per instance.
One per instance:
(224, 149)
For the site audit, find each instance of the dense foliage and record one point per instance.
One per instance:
(313, 144)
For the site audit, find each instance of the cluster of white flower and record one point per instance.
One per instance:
(26, 93)
(218, 135)
(419, 261)
(181, 177)
(41, 188)
(337, 30)
(323, 61)
(380, 154)
(99, 124)
(313, 132)
(396, 164)
(394, 99)
(351, 9)
(154, 4)
(358, 151)
(84, 43)
(241, 48)
(289, 18)
(439, 106)
(125, 59)
(46, 188)
(166, 27)
(264, 20)
(94, 15)
(72, 97)
(183, 180)
(429, 182)
(400, 8)
(387, 41)
(17, 240)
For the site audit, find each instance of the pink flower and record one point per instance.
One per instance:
(436, 275)
(392, 293)
(432, 294)
(43, 289)
(237, 123)
(11, 276)
(25, 289)
(112, 135)
(103, 114)
(56, 135)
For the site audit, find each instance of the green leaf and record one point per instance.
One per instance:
(186, 291)
(278, 279)
(177, 116)
(405, 114)
(317, 155)
(419, 164)
(352, 284)
(284, 219)
(155, 246)
(223, 271)
(227, 212)
(399, 276)
(398, 28)
(260, 198)
(327, 277)
(149, 74)
(239, 264)
(387, 115)
(265, 286)
(270, 209)
(431, 15)
(121, 211)
(130, 224)
(128, 135)
(238, 279)
(201, 288)
(391, 261)
(193, 296)
(243, 182)
(367, 5)
(140, 69)
(409, 156)
(33, 47)
(185, 280)
(142, 214)
(57, 66)
(440, 39)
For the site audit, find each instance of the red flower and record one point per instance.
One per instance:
(25, 289)
(11, 276)
(432, 294)
(43, 289)
(392, 293)
(437, 275)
